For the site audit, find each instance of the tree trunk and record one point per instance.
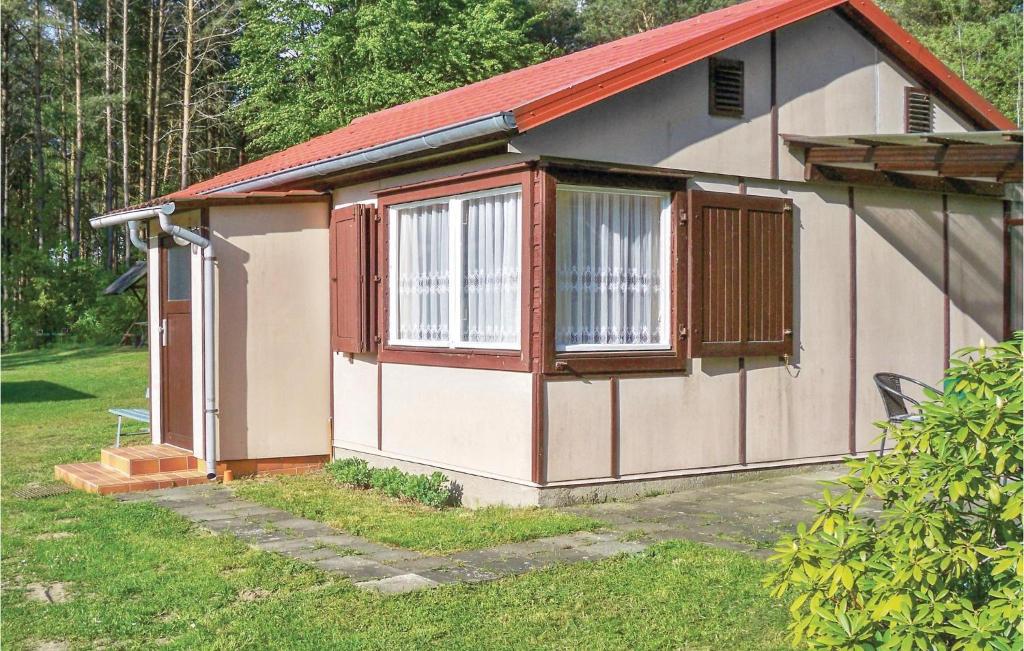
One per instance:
(65, 221)
(37, 125)
(146, 149)
(124, 123)
(108, 114)
(76, 220)
(157, 67)
(167, 161)
(5, 145)
(186, 90)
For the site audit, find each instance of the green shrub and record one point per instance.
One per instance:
(942, 568)
(50, 299)
(354, 472)
(433, 490)
(390, 481)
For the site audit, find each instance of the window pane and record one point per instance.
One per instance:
(422, 270)
(179, 273)
(491, 269)
(608, 269)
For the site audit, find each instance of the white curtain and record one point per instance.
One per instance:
(491, 261)
(423, 273)
(609, 285)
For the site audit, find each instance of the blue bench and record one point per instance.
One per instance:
(138, 415)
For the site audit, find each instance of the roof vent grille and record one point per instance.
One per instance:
(920, 116)
(725, 88)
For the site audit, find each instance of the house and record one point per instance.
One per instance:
(679, 254)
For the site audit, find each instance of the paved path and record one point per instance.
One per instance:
(746, 516)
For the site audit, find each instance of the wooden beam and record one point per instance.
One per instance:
(1012, 174)
(962, 170)
(916, 157)
(850, 176)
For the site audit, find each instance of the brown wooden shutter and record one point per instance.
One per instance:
(742, 275)
(350, 286)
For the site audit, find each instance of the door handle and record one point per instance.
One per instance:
(163, 332)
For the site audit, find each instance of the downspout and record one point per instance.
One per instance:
(209, 395)
(133, 235)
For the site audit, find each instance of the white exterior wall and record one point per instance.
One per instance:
(975, 271)
(355, 400)
(577, 428)
(671, 422)
(468, 419)
(830, 80)
(272, 330)
(899, 295)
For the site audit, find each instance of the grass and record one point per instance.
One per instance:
(139, 576)
(403, 523)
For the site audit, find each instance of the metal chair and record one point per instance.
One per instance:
(896, 401)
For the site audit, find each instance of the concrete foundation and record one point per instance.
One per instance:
(476, 490)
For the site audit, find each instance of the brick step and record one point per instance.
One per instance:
(95, 477)
(148, 459)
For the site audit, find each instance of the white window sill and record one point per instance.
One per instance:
(610, 348)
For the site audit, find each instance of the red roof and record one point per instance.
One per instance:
(554, 88)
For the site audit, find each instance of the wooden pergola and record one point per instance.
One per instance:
(971, 162)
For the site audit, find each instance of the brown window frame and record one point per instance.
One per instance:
(914, 90)
(714, 63)
(743, 347)
(477, 358)
(556, 362)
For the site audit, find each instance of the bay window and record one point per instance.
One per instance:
(455, 271)
(612, 274)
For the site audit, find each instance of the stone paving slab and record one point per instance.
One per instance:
(459, 575)
(312, 554)
(745, 516)
(425, 563)
(399, 584)
(356, 568)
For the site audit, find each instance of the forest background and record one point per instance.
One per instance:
(107, 103)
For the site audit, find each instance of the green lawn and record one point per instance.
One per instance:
(138, 576)
(403, 523)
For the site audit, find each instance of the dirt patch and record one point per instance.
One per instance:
(50, 593)
(254, 594)
(52, 645)
(54, 535)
